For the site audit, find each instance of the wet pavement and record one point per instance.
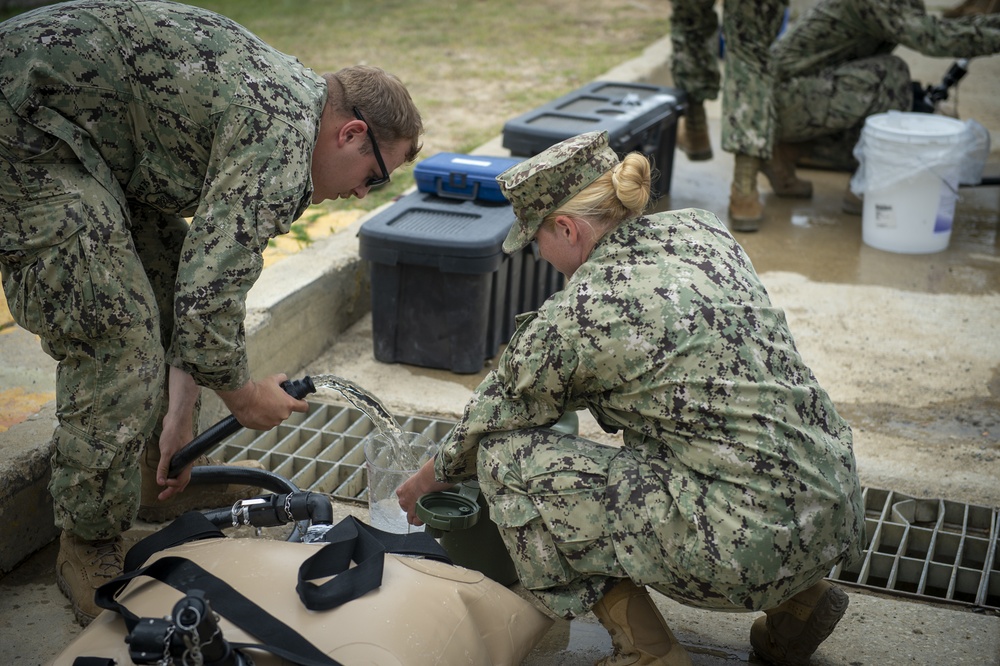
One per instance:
(906, 345)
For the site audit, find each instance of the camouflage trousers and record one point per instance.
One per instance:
(92, 281)
(573, 514)
(749, 29)
(829, 109)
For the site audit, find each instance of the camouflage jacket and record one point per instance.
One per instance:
(833, 32)
(667, 334)
(182, 110)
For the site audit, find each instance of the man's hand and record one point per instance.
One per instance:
(261, 405)
(178, 431)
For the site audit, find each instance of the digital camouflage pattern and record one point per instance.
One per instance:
(834, 67)
(735, 485)
(539, 185)
(747, 91)
(117, 120)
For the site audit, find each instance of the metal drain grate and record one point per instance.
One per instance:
(321, 450)
(928, 548)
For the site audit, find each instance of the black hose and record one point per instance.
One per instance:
(297, 388)
(276, 510)
(266, 479)
(205, 474)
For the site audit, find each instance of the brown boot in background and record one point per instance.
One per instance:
(788, 634)
(194, 497)
(971, 8)
(745, 209)
(692, 134)
(83, 566)
(780, 172)
(852, 204)
(639, 633)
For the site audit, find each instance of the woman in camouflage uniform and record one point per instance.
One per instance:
(735, 486)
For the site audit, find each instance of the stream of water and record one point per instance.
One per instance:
(403, 455)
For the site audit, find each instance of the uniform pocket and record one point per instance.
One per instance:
(157, 184)
(77, 451)
(512, 510)
(61, 282)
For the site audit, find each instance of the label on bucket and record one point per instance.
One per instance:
(885, 216)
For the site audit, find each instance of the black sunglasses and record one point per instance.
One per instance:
(373, 182)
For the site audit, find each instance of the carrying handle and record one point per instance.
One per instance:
(297, 388)
(457, 180)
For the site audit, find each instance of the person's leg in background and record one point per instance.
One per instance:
(694, 39)
(747, 101)
(822, 115)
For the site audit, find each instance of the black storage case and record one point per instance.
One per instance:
(637, 116)
(444, 294)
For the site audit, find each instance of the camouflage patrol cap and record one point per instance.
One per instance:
(539, 185)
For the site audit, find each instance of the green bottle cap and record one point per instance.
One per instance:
(447, 511)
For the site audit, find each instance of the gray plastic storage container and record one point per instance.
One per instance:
(444, 294)
(638, 117)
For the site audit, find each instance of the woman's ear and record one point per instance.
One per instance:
(566, 227)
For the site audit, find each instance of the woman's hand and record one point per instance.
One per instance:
(262, 405)
(416, 487)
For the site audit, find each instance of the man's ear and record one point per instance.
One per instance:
(350, 131)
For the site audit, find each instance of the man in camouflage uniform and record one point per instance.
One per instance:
(747, 91)
(835, 67)
(118, 119)
(735, 487)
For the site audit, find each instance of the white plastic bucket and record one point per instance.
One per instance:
(910, 164)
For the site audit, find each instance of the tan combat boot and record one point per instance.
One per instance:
(745, 209)
(194, 497)
(639, 633)
(780, 171)
(788, 634)
(692, 134)
(83, 566)
(972, 8)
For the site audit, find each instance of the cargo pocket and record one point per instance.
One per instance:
(77, 451)
(512, 510)
(64, 284)
(94, 490)
(158, 185)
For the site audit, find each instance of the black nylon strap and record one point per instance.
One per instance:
(351, 540)
(191, 526)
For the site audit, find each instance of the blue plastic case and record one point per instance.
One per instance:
(458, 176)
